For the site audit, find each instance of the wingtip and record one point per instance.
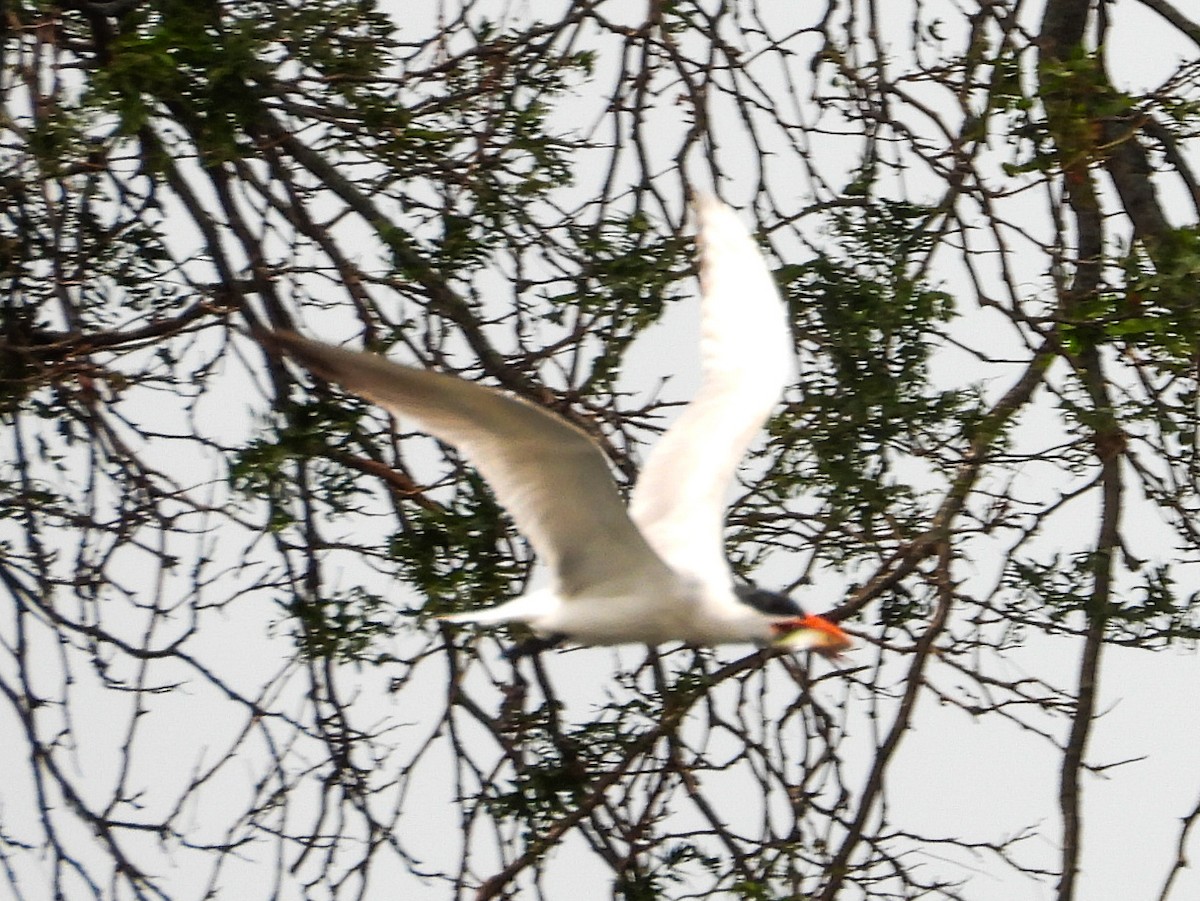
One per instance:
(719, 225)
(325, 360)
(279, 342)
(706, 205)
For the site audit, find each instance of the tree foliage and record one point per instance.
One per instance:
(219, 657)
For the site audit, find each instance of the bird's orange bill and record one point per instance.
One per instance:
(810, 633)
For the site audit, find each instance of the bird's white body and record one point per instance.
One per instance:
(682, 611)
(657, 571)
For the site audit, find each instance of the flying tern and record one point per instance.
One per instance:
(656, 571)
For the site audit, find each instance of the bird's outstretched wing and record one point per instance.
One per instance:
(748, 359)
(550, 476)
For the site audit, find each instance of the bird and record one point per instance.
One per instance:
(655, 571)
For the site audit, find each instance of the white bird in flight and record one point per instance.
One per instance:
(657, 571)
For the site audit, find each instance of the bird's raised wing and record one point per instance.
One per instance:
(550, 476)
(748, 359)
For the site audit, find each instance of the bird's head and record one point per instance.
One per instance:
(791, 628)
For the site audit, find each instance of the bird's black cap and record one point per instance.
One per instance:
(771, 603)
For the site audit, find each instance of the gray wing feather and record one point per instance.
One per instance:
(550, 476)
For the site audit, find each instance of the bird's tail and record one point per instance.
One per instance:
(488, 616)
(529, 608)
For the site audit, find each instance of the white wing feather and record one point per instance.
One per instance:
(748, 360)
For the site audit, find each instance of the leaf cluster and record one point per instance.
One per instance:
(875, 325)
(458, 552)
